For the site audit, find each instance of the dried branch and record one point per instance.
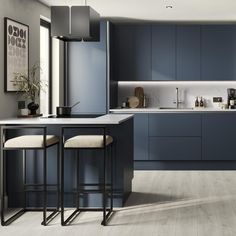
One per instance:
(30, 85)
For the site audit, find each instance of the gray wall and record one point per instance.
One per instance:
(27, 12)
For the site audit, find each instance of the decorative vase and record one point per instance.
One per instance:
(33, 107)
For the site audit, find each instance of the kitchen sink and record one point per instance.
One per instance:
(175, 108)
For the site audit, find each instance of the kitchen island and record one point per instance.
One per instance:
(119, 126)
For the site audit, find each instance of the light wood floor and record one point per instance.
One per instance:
(163, 203)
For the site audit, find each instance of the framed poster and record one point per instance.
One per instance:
(16, 52)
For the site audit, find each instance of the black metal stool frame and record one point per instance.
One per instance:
(79, 190)
(46, 219)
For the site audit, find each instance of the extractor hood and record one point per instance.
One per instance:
(75, 23)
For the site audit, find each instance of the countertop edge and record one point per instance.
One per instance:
(107, 119)
(129, 116)
(134, 111)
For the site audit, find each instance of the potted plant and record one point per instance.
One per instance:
(30, 86)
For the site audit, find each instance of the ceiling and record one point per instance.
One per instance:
(159, 10)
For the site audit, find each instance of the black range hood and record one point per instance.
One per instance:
(75, 23)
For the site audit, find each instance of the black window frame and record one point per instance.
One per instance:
(47, 25)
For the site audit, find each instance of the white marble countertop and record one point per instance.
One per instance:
(158, 110)
(109, 119)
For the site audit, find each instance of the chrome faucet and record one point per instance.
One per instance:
(177, 98)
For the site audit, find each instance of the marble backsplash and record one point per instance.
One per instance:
(163, 94)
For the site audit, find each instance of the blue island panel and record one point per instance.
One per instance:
(141, 137)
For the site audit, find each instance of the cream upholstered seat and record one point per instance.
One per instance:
(30, 141)
(87, 141)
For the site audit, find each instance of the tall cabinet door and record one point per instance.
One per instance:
(132, 52)
(87, 82)
(218, 52)
(163, 52)
(188, 52)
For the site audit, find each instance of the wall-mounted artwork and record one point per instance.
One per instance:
(16, 52)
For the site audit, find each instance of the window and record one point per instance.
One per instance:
(45, 64)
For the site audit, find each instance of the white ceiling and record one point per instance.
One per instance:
(155, 10)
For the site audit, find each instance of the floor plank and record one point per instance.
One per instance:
(163, 203)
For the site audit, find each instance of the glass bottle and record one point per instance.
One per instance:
(196, 102)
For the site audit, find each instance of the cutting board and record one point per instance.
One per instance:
(139, 93)
(133, 102)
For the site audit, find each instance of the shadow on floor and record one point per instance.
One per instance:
(160, 211)
(140, 198)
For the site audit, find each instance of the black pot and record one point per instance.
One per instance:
(63, 111)
(33, 107)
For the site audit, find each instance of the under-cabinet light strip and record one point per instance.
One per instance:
(177, 82)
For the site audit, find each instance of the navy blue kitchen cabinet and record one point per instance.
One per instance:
(87, 74)
(218, 136)
(131, 52)
(173, 52)
(163, 52)
(174, 137)
(175, 148)
(218, 52)
(175, 125)
(188, 46)
(141, 137)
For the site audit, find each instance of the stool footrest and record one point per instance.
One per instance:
(92, 209)
(50, 217)
(39, 188)
(13, 218)
(86, 191)
(95, 184)
(26, 185)
(52, 189)
(36, 209)
(71, 217)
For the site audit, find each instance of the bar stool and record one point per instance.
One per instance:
(29, 142)
(87, 142)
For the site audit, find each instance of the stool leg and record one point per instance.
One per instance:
(46, 219)
(104, 188)
(62, 185)
(3, 182)
(78, 181)
(44, 187)
(58, 177)
(111, 156)
(24, 175)
(2, 176)
(3, 188)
